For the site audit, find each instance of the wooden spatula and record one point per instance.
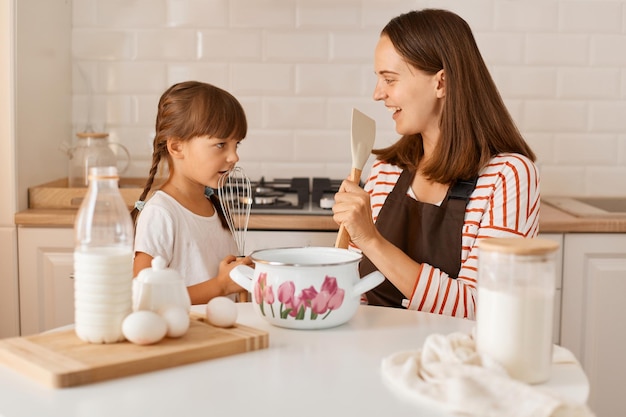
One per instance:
(362, 142)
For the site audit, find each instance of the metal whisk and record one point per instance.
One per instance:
(235, 194)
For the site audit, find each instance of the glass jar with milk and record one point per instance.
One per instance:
(515, 307)
(103, 260)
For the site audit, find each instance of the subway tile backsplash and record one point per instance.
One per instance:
(299, 66)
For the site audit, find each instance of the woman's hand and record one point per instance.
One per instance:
(352, 209)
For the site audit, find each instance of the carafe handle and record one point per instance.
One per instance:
(126, 160)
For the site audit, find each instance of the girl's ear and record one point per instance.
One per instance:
(441, 84)
(175, 147)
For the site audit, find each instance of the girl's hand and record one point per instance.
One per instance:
(223, 274)
(221, 284)
(352, 209)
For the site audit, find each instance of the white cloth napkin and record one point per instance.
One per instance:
(448, 373)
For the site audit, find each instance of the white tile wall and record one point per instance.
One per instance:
(298, 67)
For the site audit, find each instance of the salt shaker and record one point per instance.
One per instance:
(103, 260)
(515, 307)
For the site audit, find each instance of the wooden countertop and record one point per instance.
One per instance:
(552, 220)
(66, 217)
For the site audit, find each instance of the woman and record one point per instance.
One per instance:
(461, 171)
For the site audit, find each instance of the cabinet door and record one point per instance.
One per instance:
(46, 287)
(594, 284)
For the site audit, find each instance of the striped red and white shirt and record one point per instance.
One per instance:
(505, 203)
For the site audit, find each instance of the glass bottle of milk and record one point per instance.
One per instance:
(515, 307)
(103, 260)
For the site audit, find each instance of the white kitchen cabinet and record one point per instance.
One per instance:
(46, 287)
(594, 288)
(35, 115)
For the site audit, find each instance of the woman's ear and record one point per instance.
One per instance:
(175, 147)
(441, 84)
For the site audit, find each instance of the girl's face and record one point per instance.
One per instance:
(413, 96)
(206, 159)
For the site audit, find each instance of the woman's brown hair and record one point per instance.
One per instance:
(190, 109)
(475, 124)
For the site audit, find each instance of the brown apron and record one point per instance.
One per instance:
(427, 233)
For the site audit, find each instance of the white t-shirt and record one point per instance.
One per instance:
(191, 244)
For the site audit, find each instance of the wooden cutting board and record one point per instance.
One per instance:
(60, 359)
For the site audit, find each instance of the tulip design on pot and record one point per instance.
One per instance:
(317, 304)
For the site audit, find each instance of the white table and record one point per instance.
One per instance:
(331, 372)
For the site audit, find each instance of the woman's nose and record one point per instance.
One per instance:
(379, 92)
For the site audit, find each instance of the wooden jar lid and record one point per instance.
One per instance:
(96, 135)
(519, 246)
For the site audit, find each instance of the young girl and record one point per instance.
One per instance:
(198, 130)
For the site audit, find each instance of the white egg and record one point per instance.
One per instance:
(144, 327)
(221, 312)
(177, 319)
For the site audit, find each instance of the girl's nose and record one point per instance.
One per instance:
(233, 156)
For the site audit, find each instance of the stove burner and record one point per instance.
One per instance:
(266, 197)
(276, 204)
(267, 194)
(293, 195)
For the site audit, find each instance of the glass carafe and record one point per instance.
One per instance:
(94, 150)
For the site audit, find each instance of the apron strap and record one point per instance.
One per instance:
(463, 189)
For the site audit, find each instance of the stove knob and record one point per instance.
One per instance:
(327, 202)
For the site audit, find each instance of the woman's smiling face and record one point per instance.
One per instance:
(414, 96)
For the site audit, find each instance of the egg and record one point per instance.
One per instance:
(221, 312)
(144, 327)
(177, 319)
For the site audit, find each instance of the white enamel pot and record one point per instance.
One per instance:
(305, 287)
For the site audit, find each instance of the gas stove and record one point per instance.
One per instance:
(300, 195)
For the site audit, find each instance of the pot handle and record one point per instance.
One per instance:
(368, 282)
(242, 275)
